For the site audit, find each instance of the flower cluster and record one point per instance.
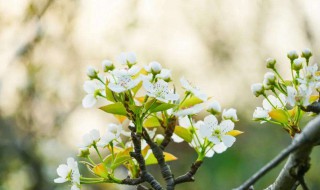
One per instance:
(288, 99)
(150, 113)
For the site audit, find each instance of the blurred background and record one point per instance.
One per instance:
(220, 45)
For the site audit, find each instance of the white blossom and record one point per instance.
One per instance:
(230, 114)
(153, 67)
(107, 65)
(217, 133)
(91, 72)
(260, 113)
(165, 74)
(112, 133)
(214, 107)
(127, 58)
(93, 89)
(257, 89)
(275, 102)
(192, 89)
(300, 96)
(190, 111)
(90, 138)
(69, 172)
(160, 91)
(123, 79)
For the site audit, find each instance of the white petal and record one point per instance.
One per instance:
(210, 121)
(226, 125)
(185, 84)
(75, 187)
(133, 70)
(172, 97)
(176, 138)
(210, 153)
(116, 88)
(148, 86)
(266, 105)
(184, 122)
(219, 148)
(214, 139)
(63, 170)
(228, 140)
(89, 87)
(95, 134)
(131, 57)
(60, 180)
(89, 101)
(205, 130)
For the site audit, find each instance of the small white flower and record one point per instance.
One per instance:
(214, 107)
(69, 172)
(91, 72)
(190, 111)
(90, 138)
(93, 88)
(153, 67)
(300, 96)
(309, 76)
(257, 89)
(160, 91)
(165, 74)
(217, 133)
(230, 114)
(127, 58)
(192, 89)
(260, 113)
(107, 65)
(112, 133)
(123, 79)
(275, 102)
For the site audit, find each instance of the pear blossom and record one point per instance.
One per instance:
(93, 88)
(164, 74)
(214, 107)
(260, 113)
(160, 91)
(123, 79)
(217, 133)
(275, 102)
(127, 58)
(192, 89)
(309, 76)
(107, 65)
(257, 89)
(112, 133)
(190, 111)
(90, 138)
(300, 96)
(153, 67)
(69, 172)
(91, 72)
(230, 114)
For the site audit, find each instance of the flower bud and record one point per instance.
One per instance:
(297, 64)
(84, 152)
(107, 65)
(214, 108)
(257, 89)
(271, 63)
(306, 53)
(165, 74)
(127, 58)
(292, 55)
(230, 114)
(91, 72)
(158, 139)
(155, 67)
(270, 78)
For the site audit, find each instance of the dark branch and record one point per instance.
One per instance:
(158, 154)
(302, 145)
(169, 129)
(188, 177)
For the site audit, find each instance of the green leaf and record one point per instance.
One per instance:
(183, 133)
(116, 108)
(279, 115)
(136, 88)
(135, 109)
(109, 94)
(193, 100)
(119, 158)
(151, 122)
(100, 170)
(157, 107)
(151, 159)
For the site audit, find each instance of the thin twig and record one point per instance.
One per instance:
(188, 177)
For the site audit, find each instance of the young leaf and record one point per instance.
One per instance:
(183, 133)
(100, 170)
(116, 108)
(161, 107)
(151, 159)
(118, 159)
(279, 115)
(109, 94)
(234, 133)
(190, 102)
(136, 88)
(151, 122)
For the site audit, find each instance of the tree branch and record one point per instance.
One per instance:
(168, 132)
(297, 163)
(188, 177)
(158, 154)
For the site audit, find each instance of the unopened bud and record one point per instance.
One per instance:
(271, 63)
(158, 139)
(257, 89)
(155, 67)
(91, 72)
(230, 114)
(292, 55)
(297, 64)
(214, 108)
(306, 53)
(107, 65)
(84, 152)
(270, 78)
